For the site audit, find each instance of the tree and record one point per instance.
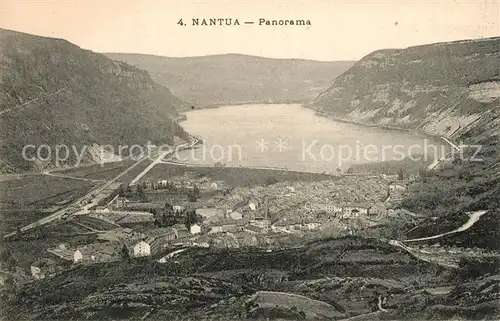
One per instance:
(190, 218)
(124, 253)
(400, 174)
(121, 191)
(7, 260)
(270, 180)
(193, 194)
(140, 193)
(169, 220)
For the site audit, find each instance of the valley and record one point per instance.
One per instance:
(241, 79)
(224, 218)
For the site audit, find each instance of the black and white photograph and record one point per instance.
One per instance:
(249, 160)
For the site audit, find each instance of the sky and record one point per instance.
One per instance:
(340, 30)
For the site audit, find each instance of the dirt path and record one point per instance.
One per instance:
(77, 178)
(472, 220)
(32, 101)
(475, 216)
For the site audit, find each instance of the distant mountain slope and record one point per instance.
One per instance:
(53, 92)
(442, 88)
(235, 78)
(449, 89)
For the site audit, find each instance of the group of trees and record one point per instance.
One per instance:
(139, 194)
(167, 186)
(169, 217)
(470, 268)
(7, 260)
(193, 194)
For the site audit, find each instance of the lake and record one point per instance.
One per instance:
(290, 136)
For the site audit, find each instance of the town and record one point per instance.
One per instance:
(159, 219)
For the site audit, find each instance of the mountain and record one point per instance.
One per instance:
(442, 88)
(53, 92)
(235, 78)
(448, 89)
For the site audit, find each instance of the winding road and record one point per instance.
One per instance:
(474, 217)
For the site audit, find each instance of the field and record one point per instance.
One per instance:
(235, 177)
(93, 223)
(24, 198)
(33, 247)
(41, 190)
(105, 171)
(268, 299)
(14, 218)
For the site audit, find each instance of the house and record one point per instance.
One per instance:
(5, 278)
(195, 229)
(140, 206)
(261, 219)
(178, 208)
(224, 225)
(287, 225)
(253, 229)
(208, 212)
(253, 204)
(97, 253)
(77, 256)
(167, 233)
(242, 223)
(159, 238)
(200, 244)
(378, 209)
(102, 209)
(280, 227)
(129, 217)
(311, 224)
(216, 228)
(62, 251)
(396, 187)
(181, 230)
(121, 202)
(235, 215)
(162, 182)
(354, 210)
(214, 186)
(43, 268)
(261, 222)
(142, 249)
(333, 208)
(228, 224)
(121, 235)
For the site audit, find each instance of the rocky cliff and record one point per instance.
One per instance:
(53, 92)
(443, 88)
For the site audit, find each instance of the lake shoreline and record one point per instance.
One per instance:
(306, 105)
(277, 122)
(385, 127)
